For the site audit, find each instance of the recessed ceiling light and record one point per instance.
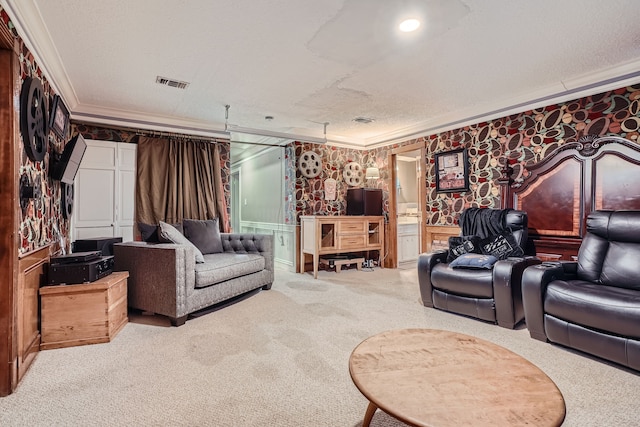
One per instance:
(409, 25)
(364, 120)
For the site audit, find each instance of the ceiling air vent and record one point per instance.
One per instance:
(171, 82)
(364, 120)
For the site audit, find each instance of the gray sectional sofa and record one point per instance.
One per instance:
(165, 279)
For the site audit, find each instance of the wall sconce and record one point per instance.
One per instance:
(372, 173)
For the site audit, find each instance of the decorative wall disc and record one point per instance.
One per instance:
(67, 200)
(310, 164)
(353, 174)
(34, 124)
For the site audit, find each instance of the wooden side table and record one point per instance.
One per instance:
(87, 313)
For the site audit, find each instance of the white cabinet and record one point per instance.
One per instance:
(408, 242)
(105, 191)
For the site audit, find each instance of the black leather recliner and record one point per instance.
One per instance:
(491, 295)
(592, 305)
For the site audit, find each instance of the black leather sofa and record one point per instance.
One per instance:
(592, 305)
(490, 295)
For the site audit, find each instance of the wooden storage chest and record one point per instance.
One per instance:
(87, 313)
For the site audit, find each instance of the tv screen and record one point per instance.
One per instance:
(66, 167)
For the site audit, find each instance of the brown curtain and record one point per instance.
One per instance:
(178, 179)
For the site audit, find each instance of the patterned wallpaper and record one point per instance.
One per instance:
(309, 192)
(521, 139)
(41, 222)
(524, 139)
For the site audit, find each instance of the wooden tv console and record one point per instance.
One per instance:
(325, 235)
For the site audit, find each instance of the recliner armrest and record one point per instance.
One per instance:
(534, 284)
(426, 262)
(507, 290)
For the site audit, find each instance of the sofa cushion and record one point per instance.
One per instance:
(169, 234)
(462, 281)
(605, 308)
(224, 266)
(149, 232)
(204, 234)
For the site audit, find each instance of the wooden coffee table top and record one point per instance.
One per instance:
(427, 377)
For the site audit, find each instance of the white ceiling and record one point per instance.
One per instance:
(307, 62)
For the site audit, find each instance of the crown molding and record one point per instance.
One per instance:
(567, 90)
(26, 15)
(131, 119)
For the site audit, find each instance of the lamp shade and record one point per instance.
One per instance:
(372, 173)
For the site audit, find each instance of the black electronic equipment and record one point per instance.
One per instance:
(102, 244)
(80, 272)
(364, 201)
(75, 257)
(65, 166)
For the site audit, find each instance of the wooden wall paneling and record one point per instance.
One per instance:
(31, 275)
(9, 92)
(437, 236)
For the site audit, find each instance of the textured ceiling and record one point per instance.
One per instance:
(307, 62)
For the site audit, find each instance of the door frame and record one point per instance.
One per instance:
(392, 231)
(9, 212)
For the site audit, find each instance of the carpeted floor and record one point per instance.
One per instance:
(280, 358)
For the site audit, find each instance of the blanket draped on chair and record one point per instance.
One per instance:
(483, 222)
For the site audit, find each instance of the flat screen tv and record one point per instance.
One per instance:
(65, 166)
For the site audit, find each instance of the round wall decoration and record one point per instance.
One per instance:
(34, 124)
(67, 200)
(310, 164)
(353, 174)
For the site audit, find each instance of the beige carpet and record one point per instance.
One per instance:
(280, 358)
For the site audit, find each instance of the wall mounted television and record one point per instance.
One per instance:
(64, 167)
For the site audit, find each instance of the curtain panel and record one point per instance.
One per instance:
(177, 179)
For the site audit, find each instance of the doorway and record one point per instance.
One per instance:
(407, 195)
(407, 204)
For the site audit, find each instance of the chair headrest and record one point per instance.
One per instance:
(617, 226)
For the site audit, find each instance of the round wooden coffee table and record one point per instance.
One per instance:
(427, 377)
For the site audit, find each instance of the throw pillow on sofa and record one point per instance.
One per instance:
(149, 232)
(169, 234)
(501, 246)
(463, 245)
(474, 261)
(204, 234)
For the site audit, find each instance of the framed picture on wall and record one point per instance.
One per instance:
(452, 171)
(59, 117)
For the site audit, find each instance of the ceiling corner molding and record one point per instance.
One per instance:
(130, 119)
(26, 17)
